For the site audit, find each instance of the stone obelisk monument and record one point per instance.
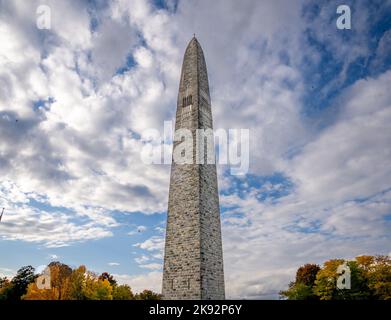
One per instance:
(193, 258)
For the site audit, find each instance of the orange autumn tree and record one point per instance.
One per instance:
(81, 284)
(68, 284)
(59, 284)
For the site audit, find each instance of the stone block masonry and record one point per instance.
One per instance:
(193, 257)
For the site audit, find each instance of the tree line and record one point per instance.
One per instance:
(370, 279)
(68, 284)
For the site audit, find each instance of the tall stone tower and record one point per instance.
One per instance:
(193, 259)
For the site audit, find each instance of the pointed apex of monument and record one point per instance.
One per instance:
(194, 44)
(193, 39)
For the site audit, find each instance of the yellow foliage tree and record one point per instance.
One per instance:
(34, 293)
(97, 289)
(81, 284)
(325, 282)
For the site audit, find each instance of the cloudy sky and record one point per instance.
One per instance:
(75, 100)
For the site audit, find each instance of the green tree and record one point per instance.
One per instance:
(326, 282)
(370, 278)
(122, 292)
(19, 283)
(298, 291)
(77, 284)
(148, 295)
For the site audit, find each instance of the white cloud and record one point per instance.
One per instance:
(82, 153)
(151, 281)
(151, 266)
(65, 133)
(349, 159)
(337, 208)
(152, 255)
(53, 228)
(7, 272)
(142, 259)
(155, 243)
(113, 264)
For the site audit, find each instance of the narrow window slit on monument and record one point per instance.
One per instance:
(188, 100)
